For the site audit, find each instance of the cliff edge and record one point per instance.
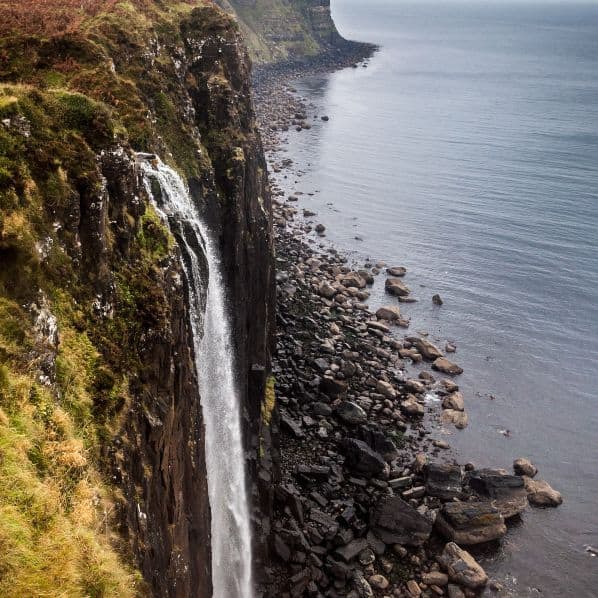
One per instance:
(104, 488)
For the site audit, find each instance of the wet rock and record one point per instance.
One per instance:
(412, 407)
(396, 522)
(441, 444)
(461, 567)
(420, 461)
(360, 458)
(444, 481)
(390, 313)
(320, 228)
(470, 522)
(524, 467)
(325, 118)
(327, 290)
(541, 494)
(454, 401)
(350, 413)
(427, 349)
(450, 348)
(506, 491)
(442, 364)
(458, 418)
(413, 588)
(437, 300)
(396, 287)
(397, 271)
(353, 279)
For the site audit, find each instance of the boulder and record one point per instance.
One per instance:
(437, 300)
(461, 567)
(427, 349)
(444, 481)
(470, 522)
(397, 271)
(541, 494)
(353, 279)
(507, 492)
(350, 413)
(458, 418)
(442, 364)
(454, 401)
(396, 522)
(412, 407)
(325, 289)
(524, 467)
(386, 389)
(390, 313)
(360, 458)
(396, 287)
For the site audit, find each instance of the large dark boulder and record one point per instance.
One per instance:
(506, 491)
(396, 522)
(470, 522)
(360, 458)
(444, 481)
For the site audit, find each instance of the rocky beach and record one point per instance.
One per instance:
(369, 499)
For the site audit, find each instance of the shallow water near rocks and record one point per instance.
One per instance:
(467, 151)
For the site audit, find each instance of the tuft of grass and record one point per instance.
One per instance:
(269, 401)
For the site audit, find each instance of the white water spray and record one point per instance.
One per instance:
(214, 361)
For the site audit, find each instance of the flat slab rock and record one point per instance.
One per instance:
(396, 522)
(444, 481)
(470, 522)
(507, 492)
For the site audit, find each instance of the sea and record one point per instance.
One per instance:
(467, 151)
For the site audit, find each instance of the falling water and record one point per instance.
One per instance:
(214, 361)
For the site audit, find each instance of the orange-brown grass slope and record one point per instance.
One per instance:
(51, 17)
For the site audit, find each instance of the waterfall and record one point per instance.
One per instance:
(214, 362)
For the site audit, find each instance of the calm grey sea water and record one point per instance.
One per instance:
(468, 152)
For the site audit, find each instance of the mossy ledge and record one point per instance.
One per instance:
(101, 434)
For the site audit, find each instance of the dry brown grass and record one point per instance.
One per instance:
(53, 17)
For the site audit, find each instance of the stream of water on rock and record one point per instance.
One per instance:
(214, 362)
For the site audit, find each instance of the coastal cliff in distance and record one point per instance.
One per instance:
(102, 455)
(286, 30)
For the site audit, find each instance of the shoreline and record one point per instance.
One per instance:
(354, 448)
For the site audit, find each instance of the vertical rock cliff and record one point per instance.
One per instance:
(286, 30)
(94, 328)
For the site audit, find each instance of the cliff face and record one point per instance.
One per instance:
(99, 405)
(285, 30)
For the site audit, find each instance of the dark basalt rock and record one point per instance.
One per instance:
(506, 491)
(361, 458)
(396, 522)
(470, 522)
(444, 481)
(350, 413)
